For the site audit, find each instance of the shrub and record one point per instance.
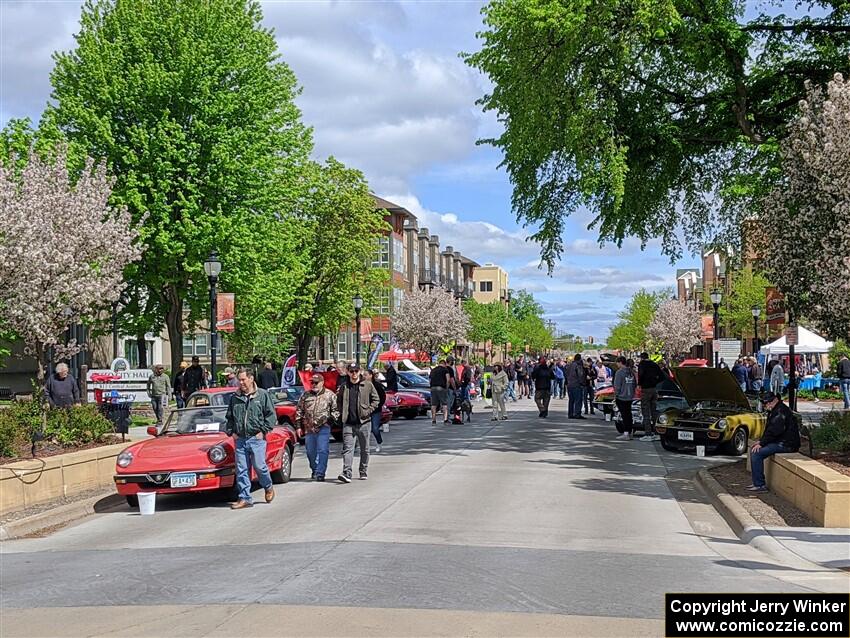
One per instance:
(833, 433)
(77, 425)
(18, 422)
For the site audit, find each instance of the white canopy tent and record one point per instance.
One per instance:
(808, 343)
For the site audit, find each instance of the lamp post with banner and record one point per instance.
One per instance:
(212, 266)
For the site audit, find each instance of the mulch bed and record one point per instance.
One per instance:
(837, 461)
(49, 448)
(768, 509)
(49, 505)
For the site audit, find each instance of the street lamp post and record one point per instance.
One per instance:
(716, 296)
(212, 266)
(358, 306)
(756, 310)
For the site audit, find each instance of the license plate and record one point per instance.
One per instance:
(686, 436)
(186, 479)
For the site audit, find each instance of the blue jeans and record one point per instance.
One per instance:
(757, 461)
(844, 384)
(318, 447)
(179, 401)
(376, 427)
(251, 451)
(575, 394)
(158, 405)
(511, 390)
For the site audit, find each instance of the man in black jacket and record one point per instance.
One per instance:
(782, 434)
(649, 375)
(543, 377)
(391, 377)
(194, 378)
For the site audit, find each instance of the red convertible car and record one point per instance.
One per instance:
(407, 404)
(193, 454)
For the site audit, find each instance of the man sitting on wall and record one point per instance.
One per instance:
(782, 434)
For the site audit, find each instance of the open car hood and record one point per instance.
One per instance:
(710, 384)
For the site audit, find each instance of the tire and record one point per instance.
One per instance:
(229, 494)
(738, 443)
(132, 501)
(409, 415)
(284, 473)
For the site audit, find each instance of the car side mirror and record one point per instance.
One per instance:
(152, 430)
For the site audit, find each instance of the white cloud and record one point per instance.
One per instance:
(570, 274)
(391, 114)
(478, 240)
(29, 34)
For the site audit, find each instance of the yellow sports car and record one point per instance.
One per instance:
(720, 415)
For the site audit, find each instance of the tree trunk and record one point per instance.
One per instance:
(142, 347)
(302, 346)
(174, 325)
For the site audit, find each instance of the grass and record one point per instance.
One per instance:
(137, 421)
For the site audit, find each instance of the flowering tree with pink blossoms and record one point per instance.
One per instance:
(62, 251)
(675, 328)
(428, 320)
(807, 216)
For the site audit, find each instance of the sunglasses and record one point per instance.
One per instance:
(315, 381)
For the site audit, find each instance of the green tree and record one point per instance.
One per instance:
(630, 332)
(649, 112)
(488, 322)
(839, 347)
(524, 304)
(530, 332)
(194, 113)
(748, 290)
(337, 226)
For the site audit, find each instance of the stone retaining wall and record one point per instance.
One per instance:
(820, 492)
(27, 483)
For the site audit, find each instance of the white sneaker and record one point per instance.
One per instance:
(377, 448)
(624, 437)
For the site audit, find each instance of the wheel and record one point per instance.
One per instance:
(667, 446)
(132, 500)
(410, 415)
(737, 445)
(283, 474)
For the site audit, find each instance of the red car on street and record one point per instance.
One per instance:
(285, 400)
(407, 404)
(192, 453)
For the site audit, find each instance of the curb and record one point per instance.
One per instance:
(61, 515)
(742, 523)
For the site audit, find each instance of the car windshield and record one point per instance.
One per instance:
(196, 421)
(412, 380)
(287, 394)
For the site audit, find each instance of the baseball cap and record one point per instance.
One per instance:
(768, 396)
(353, 367)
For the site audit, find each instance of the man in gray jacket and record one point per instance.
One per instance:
(159, 389)
(61, 388)
(356, 399)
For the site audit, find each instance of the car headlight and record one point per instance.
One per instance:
(124, 459)
(663, 419)
(721, 424)
(216, 454)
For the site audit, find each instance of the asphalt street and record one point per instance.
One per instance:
(523, 527)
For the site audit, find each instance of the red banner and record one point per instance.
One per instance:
(331, 378)
(775, 307)
(225, 312)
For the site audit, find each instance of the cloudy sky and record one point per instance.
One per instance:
(385, 91)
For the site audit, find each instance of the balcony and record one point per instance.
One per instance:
(427, 277)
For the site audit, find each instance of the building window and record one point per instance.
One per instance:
(398, 256)
(382, 303)
(196, 345)
(486, 286)
(398, 296)
(381, 257)
(342, 346)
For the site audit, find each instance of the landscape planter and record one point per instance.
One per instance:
(819, 491)
(34, 481)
